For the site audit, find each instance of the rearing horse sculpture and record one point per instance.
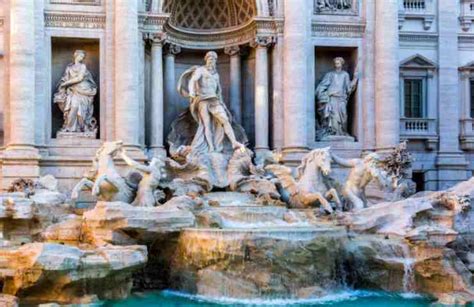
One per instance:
(311, 186)
(103, 179)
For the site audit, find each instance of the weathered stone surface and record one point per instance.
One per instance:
(390, 218)
(42, 272)
(69, 230)
(121, 223)
(257, 263)
(8, 300)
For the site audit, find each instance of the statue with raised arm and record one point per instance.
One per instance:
(202, 86)
(332, 95)
(148, 193)
(362, 172)
(75, 97)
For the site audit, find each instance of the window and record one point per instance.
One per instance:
(413, 98)
(472, 98)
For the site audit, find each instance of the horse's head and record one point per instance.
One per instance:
(317, 159)
(111, 148)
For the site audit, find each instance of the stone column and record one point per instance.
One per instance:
(127, 95)
(170, 83)
(261, 95)
(235, 83)
(277, 95)
(295, 78)
(450, 162)
(387, 110)
(156, 135)
(20, 159)
(22, 74)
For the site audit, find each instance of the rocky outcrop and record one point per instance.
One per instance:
(122, 224)
(46, 272)
(257, 263)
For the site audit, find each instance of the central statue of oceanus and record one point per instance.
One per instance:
(202, 86)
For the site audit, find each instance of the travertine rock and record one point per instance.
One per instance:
(121, 223)
(69, 230)
(8, 300)
(42, 272)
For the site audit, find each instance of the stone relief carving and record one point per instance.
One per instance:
(331, 6)
(75, 98)
(332, 95)
(312, 184)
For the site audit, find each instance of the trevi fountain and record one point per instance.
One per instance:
(236, 152)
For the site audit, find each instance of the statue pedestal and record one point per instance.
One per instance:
(338, 138)
(77, 135)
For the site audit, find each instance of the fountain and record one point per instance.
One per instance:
(208, 221)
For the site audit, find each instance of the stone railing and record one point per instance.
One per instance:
(419, 129)
(414, 5)
(81, 2)
(416, 9)
(467, 14)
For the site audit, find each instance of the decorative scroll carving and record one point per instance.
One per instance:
(262, 41)
(172, 49)
(232, 50)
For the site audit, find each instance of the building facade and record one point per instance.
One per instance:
(413, 61)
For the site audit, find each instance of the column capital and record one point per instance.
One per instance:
(262, 41)
(172, 49)
(232, 50)
(157, 38)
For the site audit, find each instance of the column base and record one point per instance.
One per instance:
(19, 161)
(452, 169)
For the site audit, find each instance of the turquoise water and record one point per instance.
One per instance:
(344, 299)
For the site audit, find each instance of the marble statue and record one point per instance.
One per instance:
(332, 95)
(103, 179)
(75, 98)
(312, 184)
(202, 86)
(148, 194)
(362, 172)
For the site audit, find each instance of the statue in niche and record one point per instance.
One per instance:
(202, 86)
(75, 98)
(332, 95)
